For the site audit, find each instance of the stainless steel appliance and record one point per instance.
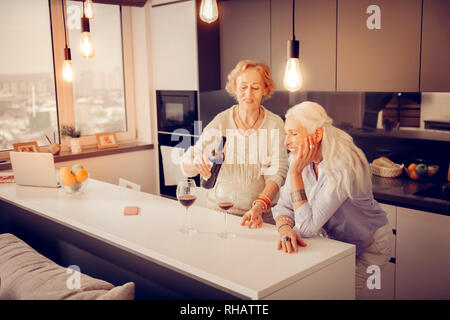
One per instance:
(177, 113)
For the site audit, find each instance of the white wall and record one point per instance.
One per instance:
(435, 106)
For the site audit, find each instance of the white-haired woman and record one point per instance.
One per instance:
(329, 186)
(255, 157)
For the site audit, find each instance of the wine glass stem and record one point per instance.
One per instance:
(187, 218)
(226, 220)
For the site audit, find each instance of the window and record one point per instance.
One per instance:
(27, 84)
(98, 91)
(34, 99)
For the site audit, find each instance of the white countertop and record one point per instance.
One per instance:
(246, 266)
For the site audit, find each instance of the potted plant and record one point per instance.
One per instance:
(74, 135)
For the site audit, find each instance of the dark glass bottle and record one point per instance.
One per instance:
(217, 157)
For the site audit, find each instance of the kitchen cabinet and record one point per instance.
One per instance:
(244, 33)
(435, 60)
(384, 59)
(315, 28)
(391, 212)
(174, 46)
(423, 255)
(387, 290)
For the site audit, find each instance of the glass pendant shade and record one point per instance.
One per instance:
(89, 9)
(67, 70)
(208, 11)
(86, 43)
(292, 76)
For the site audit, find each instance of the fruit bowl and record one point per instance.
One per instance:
(421, 171)
(73, 180)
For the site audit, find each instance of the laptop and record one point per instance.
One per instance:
(34, 169)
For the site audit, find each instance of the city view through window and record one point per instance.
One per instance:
(27, 86)
(98, 90)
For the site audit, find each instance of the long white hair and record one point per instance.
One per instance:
(344, 163)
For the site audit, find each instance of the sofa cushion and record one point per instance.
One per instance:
(26, 274)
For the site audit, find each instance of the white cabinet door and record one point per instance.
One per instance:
(174, 46)
(423, 255)
(391, 212)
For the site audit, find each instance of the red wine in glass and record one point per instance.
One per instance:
(226, 205)
(186, 196)
(187, 200)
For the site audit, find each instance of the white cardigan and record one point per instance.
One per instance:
(250, 161)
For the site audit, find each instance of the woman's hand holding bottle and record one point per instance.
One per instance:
(203, 165)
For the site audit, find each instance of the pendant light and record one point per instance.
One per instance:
(208, 11)
(292, 75)
(89, 9)
(67, 70)
(86, 45)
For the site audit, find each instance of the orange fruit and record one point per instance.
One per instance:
(81, 175)
(413, 175)
(68, 179)
(412, 167)
(64, 171)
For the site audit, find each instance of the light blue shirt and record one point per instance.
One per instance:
(352, 220)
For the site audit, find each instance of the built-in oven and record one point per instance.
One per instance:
(176, 110)
(177, 113)
(171, 147)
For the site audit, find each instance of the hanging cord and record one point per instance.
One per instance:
(64, 20)
(293, 19)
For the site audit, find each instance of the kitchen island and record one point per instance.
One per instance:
(149, 249)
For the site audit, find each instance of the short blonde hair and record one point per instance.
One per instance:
(243, 65)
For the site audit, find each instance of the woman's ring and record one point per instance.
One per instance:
(311, 146)
(286, 239)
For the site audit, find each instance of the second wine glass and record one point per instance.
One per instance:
(186, 195)
(225, 193)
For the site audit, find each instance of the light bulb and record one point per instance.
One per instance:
(292, 75)
(208, 11)
(67, 71)
(89, 9)
(86, 45)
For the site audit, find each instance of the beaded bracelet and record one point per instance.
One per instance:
(285, 218)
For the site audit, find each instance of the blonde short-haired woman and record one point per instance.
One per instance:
(329, 186)
(255, 157)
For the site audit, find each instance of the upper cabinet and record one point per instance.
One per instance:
(378, 45)
(435, 62)
(315, 28)
(244, 33)
(174, 46)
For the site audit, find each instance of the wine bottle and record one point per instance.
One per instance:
(216, 158)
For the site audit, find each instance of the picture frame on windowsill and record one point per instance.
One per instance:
(31, 146)
(106, 140)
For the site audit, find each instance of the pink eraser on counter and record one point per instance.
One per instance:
(130, 211)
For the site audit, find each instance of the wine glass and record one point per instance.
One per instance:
(186, 196)
(225, 193)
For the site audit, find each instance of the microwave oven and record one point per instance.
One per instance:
(176, 110)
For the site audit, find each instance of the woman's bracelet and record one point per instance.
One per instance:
(262, 195)
(264, 202)
(284, 224)
(285, 218)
